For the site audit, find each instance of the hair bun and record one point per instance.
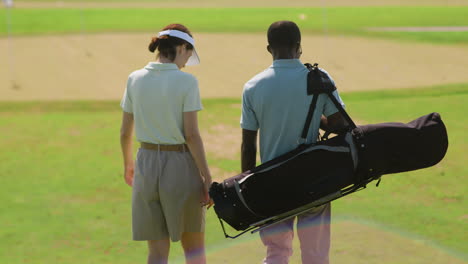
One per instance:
(153, 44)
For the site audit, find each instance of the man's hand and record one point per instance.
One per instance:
(128, 175)
(333, 123)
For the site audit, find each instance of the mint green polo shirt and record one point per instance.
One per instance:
(276, 103)
(157, 95)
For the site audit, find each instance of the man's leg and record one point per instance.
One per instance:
(278, 240)
(313, 230)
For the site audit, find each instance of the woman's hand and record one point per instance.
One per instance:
(128, 175)
(206, 200)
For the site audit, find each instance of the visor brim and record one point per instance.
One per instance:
(194, 59)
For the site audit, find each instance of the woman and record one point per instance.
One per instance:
(170, 187)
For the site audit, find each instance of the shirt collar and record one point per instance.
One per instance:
(161, 66)
(287, 63)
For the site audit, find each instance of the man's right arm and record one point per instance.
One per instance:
(248, 149)
(333, 123)
(332, 120)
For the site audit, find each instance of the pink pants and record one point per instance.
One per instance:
(313, 230)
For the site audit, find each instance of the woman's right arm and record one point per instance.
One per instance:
(195, 145)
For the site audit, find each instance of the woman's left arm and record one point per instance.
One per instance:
(126, 143)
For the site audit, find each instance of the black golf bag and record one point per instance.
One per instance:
(314, 174)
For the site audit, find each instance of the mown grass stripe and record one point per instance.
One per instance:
(111, 105)
(339, 20)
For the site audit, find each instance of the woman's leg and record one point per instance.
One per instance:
(158, 251)
(194, 247)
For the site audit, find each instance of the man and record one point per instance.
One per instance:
(276, 103)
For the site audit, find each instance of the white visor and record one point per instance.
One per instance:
(194, 59)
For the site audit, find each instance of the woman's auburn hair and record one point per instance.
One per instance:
(166, 45)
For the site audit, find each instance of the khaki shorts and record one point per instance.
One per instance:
(167, 190)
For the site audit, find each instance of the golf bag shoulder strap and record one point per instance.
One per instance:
(319, 82)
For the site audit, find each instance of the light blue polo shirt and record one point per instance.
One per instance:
(158, 95)
(276, 102)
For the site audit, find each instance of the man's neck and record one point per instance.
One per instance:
(285, 55)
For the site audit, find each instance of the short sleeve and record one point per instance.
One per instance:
(248, 118)
(126, 102)
(192, 101)
(329, 106)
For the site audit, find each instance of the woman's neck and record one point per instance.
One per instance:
(162, 59)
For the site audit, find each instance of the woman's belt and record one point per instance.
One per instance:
(176, 147)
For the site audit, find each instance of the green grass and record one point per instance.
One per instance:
(334, 20)
(428, 202)
(64, 199)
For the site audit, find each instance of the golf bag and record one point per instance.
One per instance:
(314, 174)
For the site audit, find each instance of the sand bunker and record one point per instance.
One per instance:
(96, 66)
